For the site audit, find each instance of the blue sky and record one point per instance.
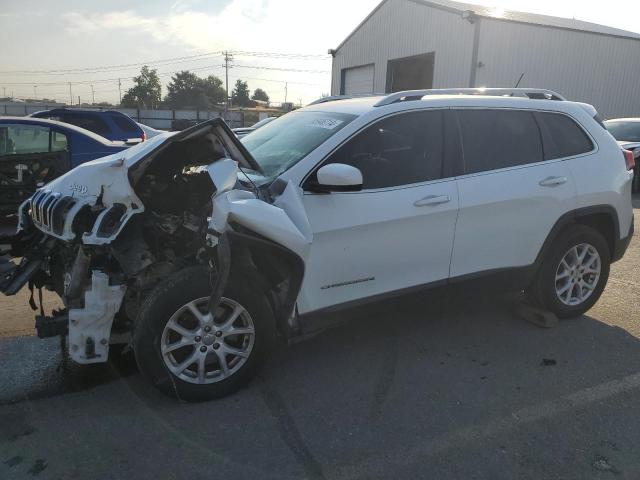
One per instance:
(45, 35)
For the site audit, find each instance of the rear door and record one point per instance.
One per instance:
(397, 232)
(511, 194)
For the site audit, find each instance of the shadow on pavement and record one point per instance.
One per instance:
(420, 380)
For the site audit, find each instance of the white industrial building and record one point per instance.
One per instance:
(411, 44)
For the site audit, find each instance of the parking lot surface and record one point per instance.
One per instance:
(438, 386)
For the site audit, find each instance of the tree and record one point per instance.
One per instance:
(146, 92)
(187, 90)
(240, 94)
(260, 95)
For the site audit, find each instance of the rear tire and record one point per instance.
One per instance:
(222, 361)
(573, 274)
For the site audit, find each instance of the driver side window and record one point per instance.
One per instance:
(400, 150)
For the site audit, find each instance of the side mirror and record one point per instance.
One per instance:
(337, 177)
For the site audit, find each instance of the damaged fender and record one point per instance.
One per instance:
(279, 230)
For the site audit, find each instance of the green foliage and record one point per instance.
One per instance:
(240, 95)
(146, 92)
(187, 90)
(260, 95)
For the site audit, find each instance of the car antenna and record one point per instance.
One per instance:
(519, 80)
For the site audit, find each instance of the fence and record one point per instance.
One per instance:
(161, 119)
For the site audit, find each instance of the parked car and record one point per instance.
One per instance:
(110, 124)
(149, 132)
(205, 249)
(35, 151)
(627, 132)
(244, 131)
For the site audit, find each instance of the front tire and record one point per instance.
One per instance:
(574, 273)
(193, 356)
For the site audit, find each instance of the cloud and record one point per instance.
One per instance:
(78, 23)
(279, 25)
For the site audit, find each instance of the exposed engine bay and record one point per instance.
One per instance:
(105, 234)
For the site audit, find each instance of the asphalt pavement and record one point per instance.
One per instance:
(436, 386)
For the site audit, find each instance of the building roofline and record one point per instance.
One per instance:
(449, 9)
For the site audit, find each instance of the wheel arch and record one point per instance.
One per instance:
(602, 218)
(278, 270)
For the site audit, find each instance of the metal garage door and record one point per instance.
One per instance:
(358, 80)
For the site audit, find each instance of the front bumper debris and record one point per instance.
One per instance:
(90, 327)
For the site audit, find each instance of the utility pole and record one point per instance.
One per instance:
(93, 96)
(79, 100)
(286, 91)
(227, 58)
(35, 92)
(120, 90)
(70, 95)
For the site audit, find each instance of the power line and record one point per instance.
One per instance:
(107, 67)
(102, 69)
(206, 67)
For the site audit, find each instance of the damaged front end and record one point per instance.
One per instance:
(107, 233)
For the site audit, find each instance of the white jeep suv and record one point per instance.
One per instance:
(199, 251)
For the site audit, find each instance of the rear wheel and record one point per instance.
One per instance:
(574, 273)
(195, 356)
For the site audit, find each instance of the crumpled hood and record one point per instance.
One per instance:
(105, 176)
(107, 184)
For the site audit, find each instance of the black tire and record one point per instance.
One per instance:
(166, 299)
(542, 291)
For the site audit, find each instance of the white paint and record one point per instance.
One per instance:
(339, 175)
(101, 302)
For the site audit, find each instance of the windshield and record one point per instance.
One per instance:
(263, 122)
(624, 131)
(285, 141)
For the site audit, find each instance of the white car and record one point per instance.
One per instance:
(149, 132)
(199, 251)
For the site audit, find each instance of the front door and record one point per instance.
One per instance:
(397, 232)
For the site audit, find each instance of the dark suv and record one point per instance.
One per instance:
(109, 124)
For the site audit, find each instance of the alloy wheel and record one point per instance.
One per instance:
(201, 348)
(578, 274)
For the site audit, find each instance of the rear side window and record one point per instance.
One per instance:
(125, 124)
(398, 150)
(562, 136)
(494, 139)
(93, 123)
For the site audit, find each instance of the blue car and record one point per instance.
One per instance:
(109, 124)
(34, 151)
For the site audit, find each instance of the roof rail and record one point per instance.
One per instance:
(532, 93)
(334, 98)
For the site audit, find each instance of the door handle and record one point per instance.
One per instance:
(432, 200)
(553, 181)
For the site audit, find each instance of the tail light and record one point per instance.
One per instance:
(629, 159)
(144, 136)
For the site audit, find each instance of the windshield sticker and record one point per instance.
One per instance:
(326, 123)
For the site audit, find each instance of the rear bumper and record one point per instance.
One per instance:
(622, 244)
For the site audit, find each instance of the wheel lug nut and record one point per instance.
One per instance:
(203, 349)
(197, 339)
(216, 346)
(207, 329)
(218, 333)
